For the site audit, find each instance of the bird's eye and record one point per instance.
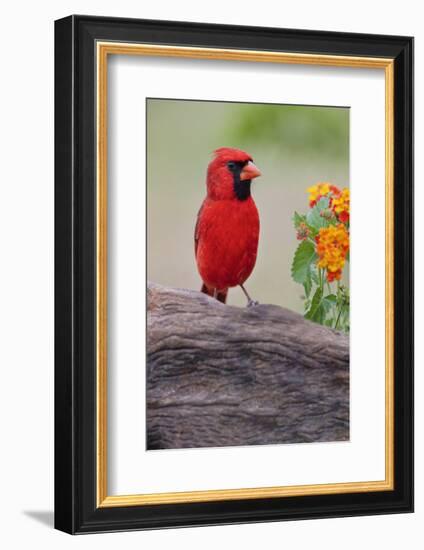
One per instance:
(231, 165)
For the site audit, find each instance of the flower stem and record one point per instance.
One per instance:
(321, 280)
(339, 305)
(338, 318)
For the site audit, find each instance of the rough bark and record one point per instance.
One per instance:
(219, 375)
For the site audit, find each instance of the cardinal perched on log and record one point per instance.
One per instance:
(227, 229)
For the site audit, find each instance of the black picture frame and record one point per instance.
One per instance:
(76, 510)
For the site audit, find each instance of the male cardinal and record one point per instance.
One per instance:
(227, 229)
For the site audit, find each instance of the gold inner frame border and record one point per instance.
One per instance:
(103, 50)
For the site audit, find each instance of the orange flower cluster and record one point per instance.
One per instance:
(339, 199)
(341, 205)
(320, 190)
(332, 248)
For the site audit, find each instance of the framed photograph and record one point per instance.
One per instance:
(234, 274)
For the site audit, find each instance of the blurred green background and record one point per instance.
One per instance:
(293, 146)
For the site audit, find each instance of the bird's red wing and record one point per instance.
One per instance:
(197, 229)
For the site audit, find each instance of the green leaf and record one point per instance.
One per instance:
(328, 304)
(320, 306)
(303, 258)
(315, 310)
(314, 218)
(331, 299)
(343, 324)
(307, 285)
(298, 219)
(314, 274)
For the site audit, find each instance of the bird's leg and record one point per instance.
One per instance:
(250, 302)
(215, 293)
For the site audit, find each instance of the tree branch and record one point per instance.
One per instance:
(220, 375)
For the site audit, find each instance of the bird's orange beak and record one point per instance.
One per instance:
(250, 171)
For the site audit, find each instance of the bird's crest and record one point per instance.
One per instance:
(231, 153)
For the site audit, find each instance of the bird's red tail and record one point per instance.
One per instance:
(221, 296)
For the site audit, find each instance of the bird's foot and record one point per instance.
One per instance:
(250, 302)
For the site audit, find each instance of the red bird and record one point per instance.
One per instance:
(227, 229)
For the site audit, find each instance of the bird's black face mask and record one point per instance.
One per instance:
(241, 187)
